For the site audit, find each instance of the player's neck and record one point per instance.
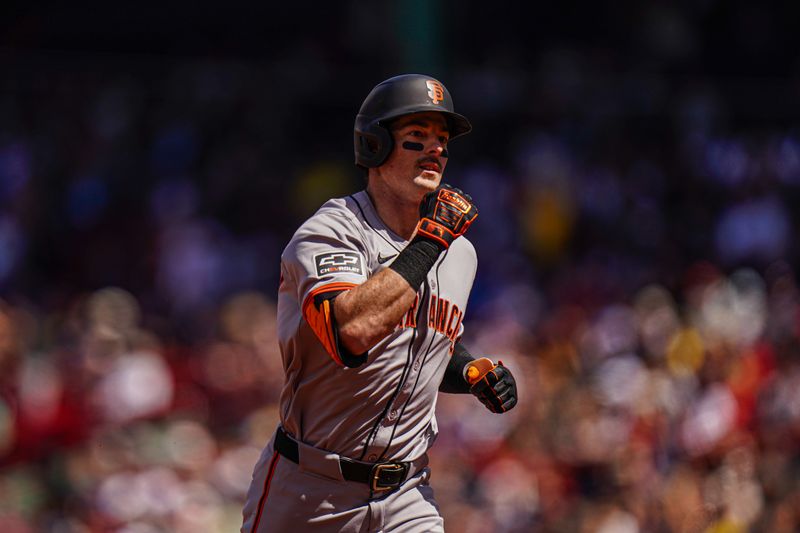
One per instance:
(398, 216)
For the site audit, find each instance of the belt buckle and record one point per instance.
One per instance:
(386, 467)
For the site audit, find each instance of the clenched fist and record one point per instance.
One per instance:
(445, 214)
(496, 389)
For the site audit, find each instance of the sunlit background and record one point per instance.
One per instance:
(637, 170)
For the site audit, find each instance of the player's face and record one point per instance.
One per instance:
(417, 161)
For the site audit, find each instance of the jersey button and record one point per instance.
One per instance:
(416, 364)
(372, 457)
(392, 414)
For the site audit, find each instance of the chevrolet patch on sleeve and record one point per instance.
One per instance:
(334, 262)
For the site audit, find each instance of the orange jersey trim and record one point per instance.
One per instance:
(320, 319)
(267, 481)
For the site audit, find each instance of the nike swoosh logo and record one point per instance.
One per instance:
(382, 259)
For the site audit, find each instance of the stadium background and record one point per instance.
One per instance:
(637, 169)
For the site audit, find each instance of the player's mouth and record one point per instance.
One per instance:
(430, 164)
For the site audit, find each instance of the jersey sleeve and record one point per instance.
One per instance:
(325, 257)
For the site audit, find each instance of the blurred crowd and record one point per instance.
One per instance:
(661, 412)
(637, 272)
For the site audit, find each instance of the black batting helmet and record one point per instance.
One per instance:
(393, 98)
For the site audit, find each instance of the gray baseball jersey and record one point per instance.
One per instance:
(382, 410)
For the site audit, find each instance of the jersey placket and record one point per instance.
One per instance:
(422, 342)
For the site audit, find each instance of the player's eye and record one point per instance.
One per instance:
(443, 140)
(416, 133)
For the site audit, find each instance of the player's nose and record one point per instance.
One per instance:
(436, 147)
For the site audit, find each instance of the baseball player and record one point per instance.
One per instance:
(371, 304)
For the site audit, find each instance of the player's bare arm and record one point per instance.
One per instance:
(368, 313)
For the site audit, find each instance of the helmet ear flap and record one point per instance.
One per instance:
(373, 145)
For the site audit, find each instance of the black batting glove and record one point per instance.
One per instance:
(497, 389)
(445, 214)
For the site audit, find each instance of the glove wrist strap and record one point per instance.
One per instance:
(433, 231)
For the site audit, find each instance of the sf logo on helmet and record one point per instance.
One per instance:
(435, 91)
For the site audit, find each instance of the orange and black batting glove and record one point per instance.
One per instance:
(493, 384)
(445, 214)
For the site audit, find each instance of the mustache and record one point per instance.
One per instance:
(429, 159)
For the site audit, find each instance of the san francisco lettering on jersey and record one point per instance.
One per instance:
(444, 317)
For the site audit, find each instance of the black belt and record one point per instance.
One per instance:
(379, 476)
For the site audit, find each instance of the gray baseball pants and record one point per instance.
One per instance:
(313, 497)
